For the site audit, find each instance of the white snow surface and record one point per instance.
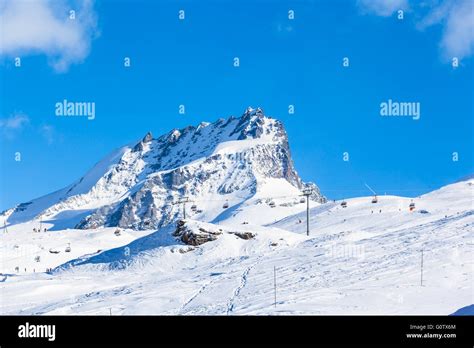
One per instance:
(363, 259)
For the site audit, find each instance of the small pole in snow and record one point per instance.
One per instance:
(110, 311)
(307, 215)
(421, 275)
(275, 285)
(183, 201)
(307, 193)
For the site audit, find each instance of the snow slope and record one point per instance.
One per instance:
(363, 259)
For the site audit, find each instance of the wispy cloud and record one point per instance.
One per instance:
(48, 133)
(456, 18)
(383, 8)
(284, 28)
(45, 27)
(13, 126)
(14, 122)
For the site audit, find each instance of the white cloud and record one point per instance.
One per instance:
(383, 8)
(14, 122)
(44, 27)
(457, 18)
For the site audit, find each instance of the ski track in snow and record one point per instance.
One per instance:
(194, 296)
(238, 289)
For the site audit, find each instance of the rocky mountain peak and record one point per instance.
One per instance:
(229, 160)
(147, 138)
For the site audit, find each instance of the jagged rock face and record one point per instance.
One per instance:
(142, 183)
(174, 171)
(195, 233)
(195, 236)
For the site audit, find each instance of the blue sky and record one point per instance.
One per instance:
(282, 62)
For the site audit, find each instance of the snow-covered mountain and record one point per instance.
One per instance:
(232, 162)
(116, 241)
(362, 259)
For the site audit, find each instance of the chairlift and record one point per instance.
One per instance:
(344, 204)
(68, 248)
(194, 207)
(272, 204)
(374, 200)
(302, 200)
(412, 206)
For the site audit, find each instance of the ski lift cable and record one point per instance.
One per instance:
(224, 200)
(197, 200)
(370, 189)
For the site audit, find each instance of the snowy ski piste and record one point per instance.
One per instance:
(116, 241)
